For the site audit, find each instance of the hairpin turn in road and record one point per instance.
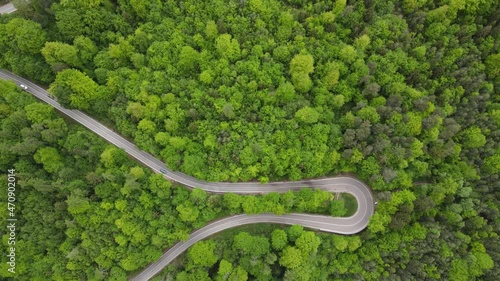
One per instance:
(350, 225)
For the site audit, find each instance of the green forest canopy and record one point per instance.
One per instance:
(402, 93)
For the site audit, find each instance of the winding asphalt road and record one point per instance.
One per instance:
(350, 225)
(7, 8)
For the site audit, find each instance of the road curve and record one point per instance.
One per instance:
(350, 225)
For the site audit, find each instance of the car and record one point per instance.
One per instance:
(24, 87)
(163, 171)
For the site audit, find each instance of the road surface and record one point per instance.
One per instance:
(7, 8)
(350, 225)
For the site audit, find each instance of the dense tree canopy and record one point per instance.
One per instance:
(402, 93)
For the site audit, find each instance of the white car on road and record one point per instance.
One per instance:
(24, 87)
